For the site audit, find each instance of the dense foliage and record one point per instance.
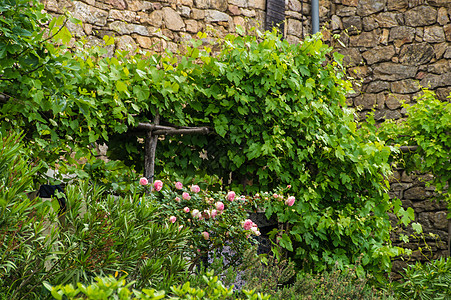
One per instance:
(428, 126)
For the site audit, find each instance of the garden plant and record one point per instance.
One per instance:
(280, 138)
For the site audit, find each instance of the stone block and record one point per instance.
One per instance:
(415, 193)
(443, 93)
(365, 39)
(394, 101)
(440, 67)
(379, 54)
(398, 5)
(184, 11)
(155, 18)
(377, 86)
(352, 24)
(192, 26)
(428, 205)
(365, 101)
(202, 4)
(295, 5)
(391, 71)
(434, 34)
(125, 42)
(89, 14)
(442, 16)
(440, 49)
(368, 7)
(369, 23)
(220, 5)
(239, 3)
(122, 15)
(119, 4)
(172, 19)
(406, 86)
(386, 114)
(198, 14)
(358, 72)
(294, 27)
(344, 11)
(416, 54)
(216, 16)
(144, 42)
(352, 56)
(440, 220)
(401, 35)
(420, 16)
(335, 23)
(258, 4)
(234, 10)
(388, 19)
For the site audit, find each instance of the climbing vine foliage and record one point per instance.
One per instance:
(277, 112)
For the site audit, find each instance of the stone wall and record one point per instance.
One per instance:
(390, 47)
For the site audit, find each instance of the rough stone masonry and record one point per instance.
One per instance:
(391, 48)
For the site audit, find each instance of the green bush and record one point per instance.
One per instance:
(112, 288)
(431, 280)
(27, 236)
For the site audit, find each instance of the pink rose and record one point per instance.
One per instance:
(231, 195)
(257, 233)
(290, 201)
(143, 181)
(275, 195)
(186, 196)
(247, 224)
(206, 235)
(158, 185)
(195, 213)
(214, 213)
(206, 214)
(178, 185)
(186, 209)
(177, 199)
(172, 219)
(219, 206)
(195, 188)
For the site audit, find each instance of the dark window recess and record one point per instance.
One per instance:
(275, 14)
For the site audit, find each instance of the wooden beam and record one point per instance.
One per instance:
(406, 149)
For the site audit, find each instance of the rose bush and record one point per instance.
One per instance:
(217, 219)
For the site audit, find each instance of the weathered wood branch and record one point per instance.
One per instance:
(406, 149)
(150, 149)
(198, 130)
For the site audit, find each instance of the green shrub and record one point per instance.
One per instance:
(27, 238)
(430, 280)
(112, 288)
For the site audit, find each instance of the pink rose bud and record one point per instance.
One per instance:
(178, 185)
(143, 181)
(180, 227)
(186, 209)
(206, 214)
(290, 201)
(214, 213)
(206, 235)
(231, 195)
(172, 219)
(186, 196)
(289, 186)
(247, 224)
(177, 199)
(254, 229)
(195, 188)
(219, 206)
(275, 196)
(158, 185)
(257, 233)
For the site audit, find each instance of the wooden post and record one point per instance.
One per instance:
(449, 237)
(150, 149)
